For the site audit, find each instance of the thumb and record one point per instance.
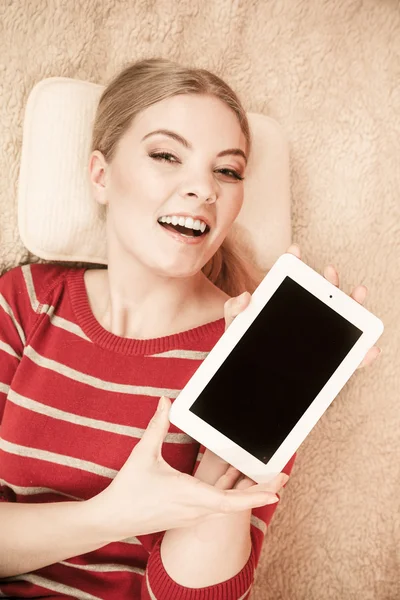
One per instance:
(153, 437)
(234, 306)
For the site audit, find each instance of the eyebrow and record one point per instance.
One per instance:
(179, 138)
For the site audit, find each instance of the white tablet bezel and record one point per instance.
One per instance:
(286, 265)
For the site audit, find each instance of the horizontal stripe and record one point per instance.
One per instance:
(8, 310)
(68, 326)
(56, 413)
(32, 453)
(4, 388)
(30, 288)
(187, 354)
(259, 523)
(65, 324)
(104, 567)
(131, 540)
(9, 350)
(59, 459)
(54, 586)
(96, 382)
(33, 490)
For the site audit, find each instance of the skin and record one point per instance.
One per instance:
(154, 285)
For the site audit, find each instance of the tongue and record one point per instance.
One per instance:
(179, 228)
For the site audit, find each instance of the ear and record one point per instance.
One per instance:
(97, 173)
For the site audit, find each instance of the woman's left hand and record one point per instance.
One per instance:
(233, 478)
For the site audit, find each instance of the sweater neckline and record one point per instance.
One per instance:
(104, 338)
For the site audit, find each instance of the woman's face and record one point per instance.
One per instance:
(154, 175)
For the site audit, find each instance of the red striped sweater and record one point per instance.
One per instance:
(74, 401)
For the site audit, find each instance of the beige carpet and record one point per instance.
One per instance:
(329, 72)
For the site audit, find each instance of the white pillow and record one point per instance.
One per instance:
(59, 220)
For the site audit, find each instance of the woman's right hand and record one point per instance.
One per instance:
(148, 495)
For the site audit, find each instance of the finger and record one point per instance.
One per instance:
(234, 306)
(228, 480)
(239, 500)
(229, 501)
(359, 294)
(211, 468)
(331, 275)
(243, 483)
(274, 485)
(295, 250)
(152, 439)
(369, 358)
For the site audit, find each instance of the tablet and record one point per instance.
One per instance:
(276, 369)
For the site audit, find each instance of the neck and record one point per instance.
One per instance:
(133, 301)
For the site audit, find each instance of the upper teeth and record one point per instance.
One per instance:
(184, 222)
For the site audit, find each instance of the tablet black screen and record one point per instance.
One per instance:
(276, 370)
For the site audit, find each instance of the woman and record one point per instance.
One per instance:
(91, 509)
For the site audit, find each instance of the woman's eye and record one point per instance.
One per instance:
(232, 174)
(162, 156)
(165, 157)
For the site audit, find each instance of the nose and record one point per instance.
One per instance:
(204, 188)
(207, 199)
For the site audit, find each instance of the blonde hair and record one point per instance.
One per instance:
(138, 86)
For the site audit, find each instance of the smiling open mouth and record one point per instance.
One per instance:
(185, 230)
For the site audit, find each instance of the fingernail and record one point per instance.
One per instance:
(268, 498)
(161, 404)
(272, 498)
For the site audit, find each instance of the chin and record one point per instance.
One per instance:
(179, 273)
(177, 270)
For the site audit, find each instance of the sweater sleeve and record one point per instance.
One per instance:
(23, 295)
(158, 585)
(16, 318)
